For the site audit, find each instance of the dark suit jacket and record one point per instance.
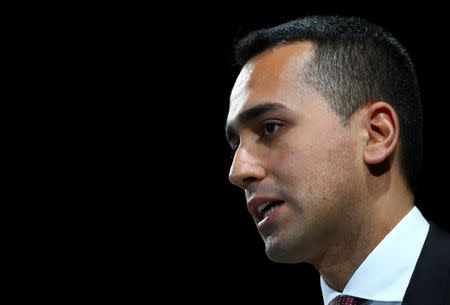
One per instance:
(430, 281)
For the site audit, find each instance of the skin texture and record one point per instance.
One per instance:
(341, 185)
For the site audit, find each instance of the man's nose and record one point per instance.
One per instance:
(245, 169)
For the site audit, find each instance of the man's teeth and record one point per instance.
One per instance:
(265, 209)
(262, 206)
(269, 211)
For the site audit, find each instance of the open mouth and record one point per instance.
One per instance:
(267, 208)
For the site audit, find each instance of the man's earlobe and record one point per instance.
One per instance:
(383, 131)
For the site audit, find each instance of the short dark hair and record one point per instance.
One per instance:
(355, 62)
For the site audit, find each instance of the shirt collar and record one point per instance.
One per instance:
(385, 273)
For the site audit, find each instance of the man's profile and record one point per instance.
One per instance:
(325, 121)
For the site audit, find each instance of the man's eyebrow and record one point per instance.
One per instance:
(251, 114)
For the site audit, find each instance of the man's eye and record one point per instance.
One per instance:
(268, 129)
(234, 147)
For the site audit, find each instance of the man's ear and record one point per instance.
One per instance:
(384, 132)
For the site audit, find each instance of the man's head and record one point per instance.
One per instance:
(320, 103)
(354, 63)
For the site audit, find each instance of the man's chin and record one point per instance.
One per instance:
(279, 254)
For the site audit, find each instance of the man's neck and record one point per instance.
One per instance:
(343, 259)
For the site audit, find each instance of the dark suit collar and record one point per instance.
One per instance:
(430, 281)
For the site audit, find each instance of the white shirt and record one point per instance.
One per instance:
(385, 274)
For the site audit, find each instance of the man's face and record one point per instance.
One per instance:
(299, 167)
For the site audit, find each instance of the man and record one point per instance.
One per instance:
(325, 122)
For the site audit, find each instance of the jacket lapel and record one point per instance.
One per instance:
(430, 281)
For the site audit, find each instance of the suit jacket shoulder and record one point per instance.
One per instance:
(430, 281)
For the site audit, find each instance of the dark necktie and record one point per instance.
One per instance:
(347, 300)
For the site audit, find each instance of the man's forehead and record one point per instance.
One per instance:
(272, 68)
(240, 92)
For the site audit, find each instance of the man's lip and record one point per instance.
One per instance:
(256, 201)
